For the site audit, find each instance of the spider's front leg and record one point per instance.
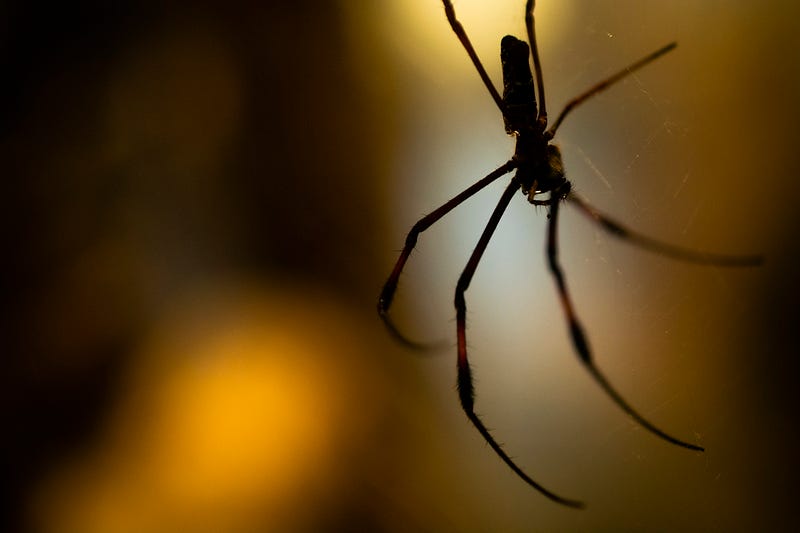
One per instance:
(466, 391)
(579, 340)
(390, 287)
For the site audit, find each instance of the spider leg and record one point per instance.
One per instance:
(605, 84)
(466, 391)
(462, 36)
(537, 65)
(390, 287)
(676, 252)
(579, 340)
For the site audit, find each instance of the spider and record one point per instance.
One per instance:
(539, 170)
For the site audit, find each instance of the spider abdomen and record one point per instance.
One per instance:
(519, 96)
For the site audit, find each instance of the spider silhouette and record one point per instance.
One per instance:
(539, 170)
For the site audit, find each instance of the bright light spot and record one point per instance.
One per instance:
(238, 415)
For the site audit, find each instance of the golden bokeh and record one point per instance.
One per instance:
(235, 418)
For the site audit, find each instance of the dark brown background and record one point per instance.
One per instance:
(201, 202)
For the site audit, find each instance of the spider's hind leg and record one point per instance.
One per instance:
(458, 29)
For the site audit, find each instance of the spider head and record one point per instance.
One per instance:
(539, 174)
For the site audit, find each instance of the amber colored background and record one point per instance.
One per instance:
(202, 200)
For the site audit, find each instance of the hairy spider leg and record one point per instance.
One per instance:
(466, 391)
(530, 27)
(579, 340)
(605, 84)
(676, 252)
(462, 36)
(390, 287)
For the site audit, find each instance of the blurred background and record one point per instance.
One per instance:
(202, 201)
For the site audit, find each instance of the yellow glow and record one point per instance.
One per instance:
(419, 31)
(251, 415)
(236, 418)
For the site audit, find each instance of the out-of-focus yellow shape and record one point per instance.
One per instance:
(236, 417)
(420, 33)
